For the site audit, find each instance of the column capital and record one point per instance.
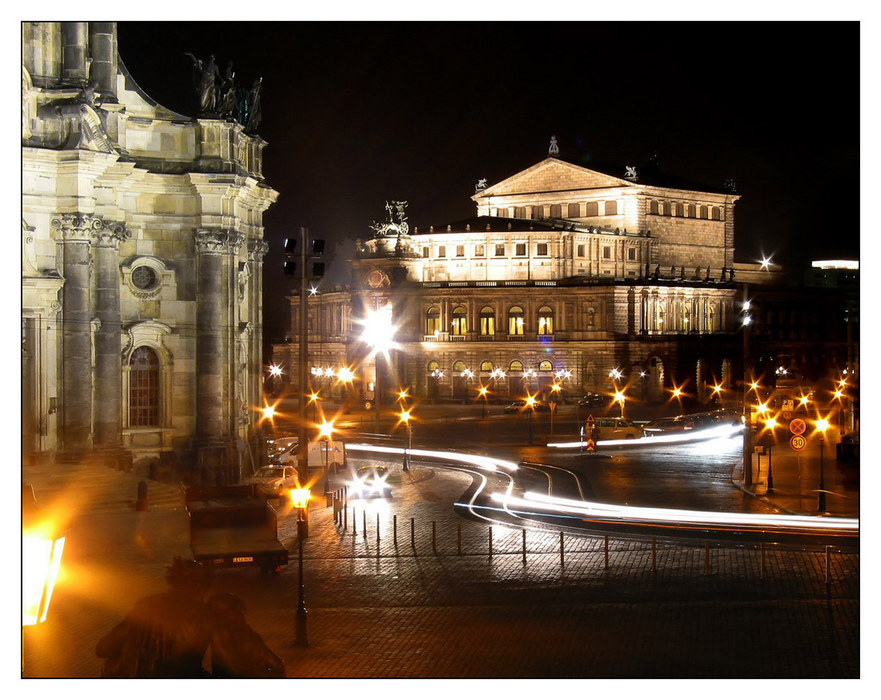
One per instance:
(88, 228)
(257, 250)
(217, 241)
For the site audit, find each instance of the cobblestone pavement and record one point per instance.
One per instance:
(408, 604)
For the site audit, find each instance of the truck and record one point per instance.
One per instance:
(234, 526)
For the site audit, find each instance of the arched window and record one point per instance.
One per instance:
(653, 207)
(487, 321)
(538, 212)
(503, 213)
(593, 209)
(705, 212)
(433, 366)
(432, 321)
(717, 214)
(516, 366)
(692, 211)
(486, 366)
(458, 366)
(556, 211)
(519, 212)
(460, 321)
(680, 209)
(668, 209)
(143, 404)
(545, 320)
(545, 366)
(574, 211)
(515, 321)
(611, 208)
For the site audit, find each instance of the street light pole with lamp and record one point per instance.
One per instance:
(325, 431)
(300, 501)
(378, 334)
(405, 417)
(822, 425)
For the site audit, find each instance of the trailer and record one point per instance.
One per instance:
(234, 526)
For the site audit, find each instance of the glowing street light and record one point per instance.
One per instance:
(325, 432)
(405, 417)
(300, 501)
(481, 393)
(275, 370)
(619, 398)
(821, 425)
(379, 334)
(42, 545)
(530, 404)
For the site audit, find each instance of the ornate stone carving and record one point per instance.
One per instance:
(257, 250)
(390, 227)
(217, 242)
(91, 228)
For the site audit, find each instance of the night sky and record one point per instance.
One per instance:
(359, 113)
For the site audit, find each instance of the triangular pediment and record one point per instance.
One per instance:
(552, 175)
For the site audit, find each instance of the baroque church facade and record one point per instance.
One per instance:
(142, 256)
(565, 272)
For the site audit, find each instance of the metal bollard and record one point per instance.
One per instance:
(827, 564)
(562, 556)
(413, 533)
(377, 529)
(606, 550)
(459, 539)
(523, 532)
(141, 505)
(346, 517)
(654, 555)
(354, 523)
(490, 541)
(762, 548)
(395, 530)
(364, 522)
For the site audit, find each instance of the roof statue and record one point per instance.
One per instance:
(553, 149)
(481, 185)
(396, 224)
(630, 172)
(206, 79)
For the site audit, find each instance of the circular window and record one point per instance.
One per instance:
(144, 278)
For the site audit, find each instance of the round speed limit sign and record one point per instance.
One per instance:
(798, 442)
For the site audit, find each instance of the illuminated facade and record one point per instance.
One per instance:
(564, 272)
(142, 254)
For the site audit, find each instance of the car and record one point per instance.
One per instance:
(368, 482)
(520, 406)
(616, 429)
(274, 480)
(282, 450)
(593, 400)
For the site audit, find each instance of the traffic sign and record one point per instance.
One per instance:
(797, 426)
(798, 442)
(590, 420)
(591, 445)
(787, 415)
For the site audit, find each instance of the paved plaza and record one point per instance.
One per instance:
(443, 596)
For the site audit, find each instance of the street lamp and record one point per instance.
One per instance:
(530, 404)
(42, 545)
(482, 392)
(405, 418)
(822, 425)
(325, 431)
(300, 501)
(619, 398)
(379, 335)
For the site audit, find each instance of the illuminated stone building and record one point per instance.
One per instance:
(142, 254)
(563, 272)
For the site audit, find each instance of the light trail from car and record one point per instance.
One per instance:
(716, 433)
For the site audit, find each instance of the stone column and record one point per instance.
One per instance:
(108, 362)
(76, 359)
(74, 44)
(102, 37)
(214, 443)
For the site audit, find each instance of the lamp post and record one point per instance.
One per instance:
(405, 418)
(325, 431)
(42, 545)
(619, 399)
(822, 426)
(482, 394)
(530, 404)
(379, 335)
(300, 501)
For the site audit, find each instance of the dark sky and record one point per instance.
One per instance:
(359, 113)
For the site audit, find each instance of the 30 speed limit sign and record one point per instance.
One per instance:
(798, 442)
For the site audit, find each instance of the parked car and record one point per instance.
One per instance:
(274, 480)
(616, 429)
(593, 400)
(282, 450)
(520, 406)
(368, 482)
